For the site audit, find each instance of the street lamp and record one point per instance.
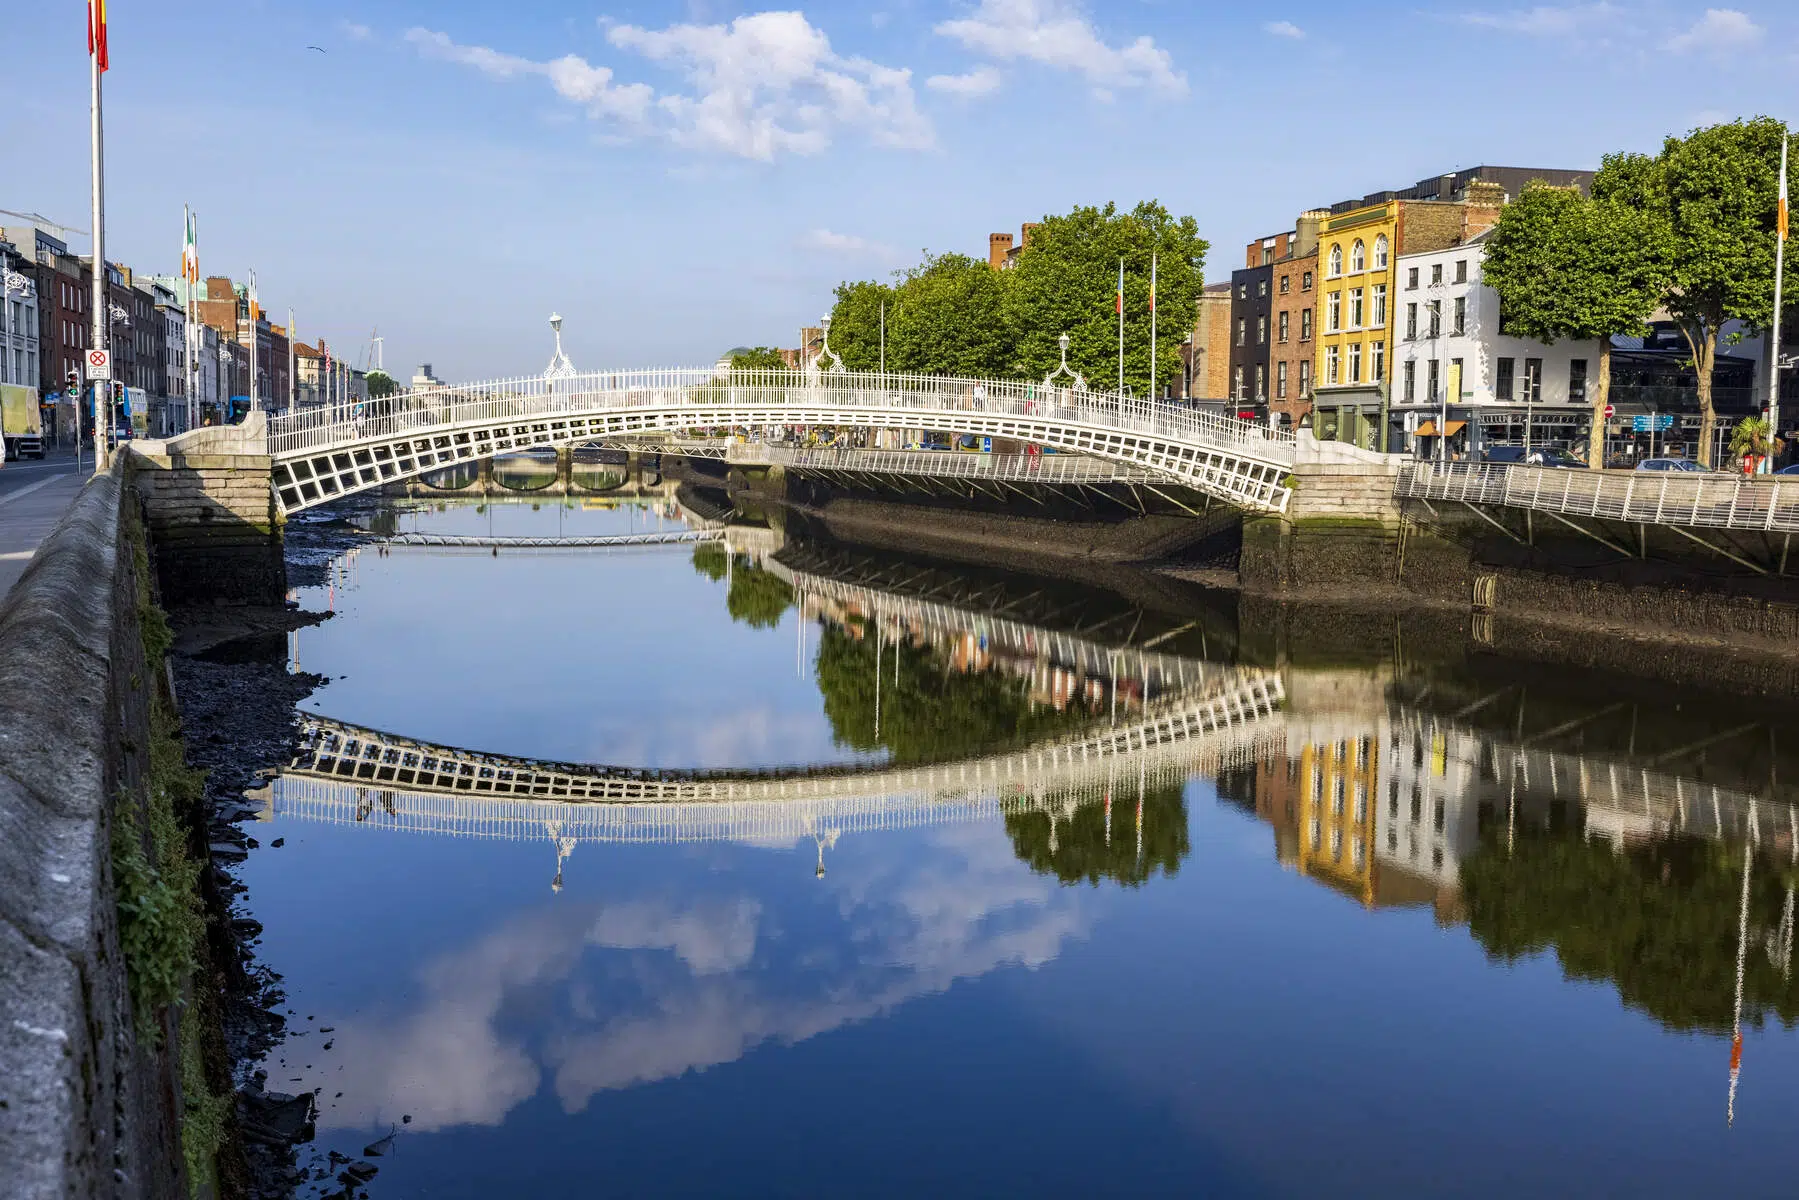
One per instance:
(1080, 382)
(825, 351)
(560, 367)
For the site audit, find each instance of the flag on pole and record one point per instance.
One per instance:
(96, 33)
(1152, 283)
(1780, 214)
(1120, 306)
(190, 253)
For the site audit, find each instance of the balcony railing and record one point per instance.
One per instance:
(1641, 497)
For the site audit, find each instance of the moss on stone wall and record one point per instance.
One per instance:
(157, 874)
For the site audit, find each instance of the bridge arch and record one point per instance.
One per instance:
(319, 457)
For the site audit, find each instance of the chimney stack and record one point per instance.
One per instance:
(998, 246)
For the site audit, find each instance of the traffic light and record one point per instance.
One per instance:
(72, 383)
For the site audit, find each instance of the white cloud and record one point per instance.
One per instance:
(978, 82)
(1286, 29)
(1720, 29)
(1544, 20)
(355, 32)
(826, 242)
(1056, 34)
(766, 84)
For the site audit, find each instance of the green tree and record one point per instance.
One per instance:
(1083, 848)
(757, 358)
(856, 323)
(1708, 203)
(1657, 920)
(709, 560)
(1066, 281)
(928, 712)
(380, 384)
(758, 598)
(1569, 267)
(1753, 438)
(948, 320)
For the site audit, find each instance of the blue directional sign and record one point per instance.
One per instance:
(1652, 422)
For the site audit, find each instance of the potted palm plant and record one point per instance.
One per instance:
(1752, 441)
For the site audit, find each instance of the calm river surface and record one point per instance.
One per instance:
(1078, 905)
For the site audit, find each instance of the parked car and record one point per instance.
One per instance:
(1792, 470)
(1671, 464)
(1538, 457)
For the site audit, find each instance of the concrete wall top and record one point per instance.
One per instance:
(250, 437)
(1310, 451)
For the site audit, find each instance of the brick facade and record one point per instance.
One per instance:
(1293, 323)
(1212, 344)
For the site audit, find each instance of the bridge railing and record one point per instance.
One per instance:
(1642, 497)
(940, 464)
(535, 396)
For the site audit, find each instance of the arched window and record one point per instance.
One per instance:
(1358, 257)
(1380, 252)
(1336, 261)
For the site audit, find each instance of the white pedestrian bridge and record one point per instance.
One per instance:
(320, 455)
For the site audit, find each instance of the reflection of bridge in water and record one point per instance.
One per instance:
(348, 775)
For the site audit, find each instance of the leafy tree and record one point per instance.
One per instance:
(758, 598)
(948, 320)
(1569, 267)
(709, 560)
(928, 712)
(1708, 202)
(380, 384)
(1081, 848)
(758, 358)
(1657, 920)
(1066, 281)
(856, 323)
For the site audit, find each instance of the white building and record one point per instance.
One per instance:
(1427, 819)
(1449, 347)
(18, 323)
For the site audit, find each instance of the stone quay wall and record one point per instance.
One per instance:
(85, 1110)
(210, 504)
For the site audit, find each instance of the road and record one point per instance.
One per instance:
(33, 497)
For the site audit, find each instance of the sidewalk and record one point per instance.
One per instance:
(33, 498)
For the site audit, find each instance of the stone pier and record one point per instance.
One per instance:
(210, 508)
(1341, 528)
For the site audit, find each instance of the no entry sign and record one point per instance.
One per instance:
(99, 364)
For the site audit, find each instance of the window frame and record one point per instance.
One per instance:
(1358, 257)
(1334, 269)
(1380, 252)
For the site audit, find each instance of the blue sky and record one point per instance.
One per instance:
(676, 178)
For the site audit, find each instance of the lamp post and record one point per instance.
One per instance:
(1080, 382)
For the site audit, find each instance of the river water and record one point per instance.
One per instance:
(934, 880)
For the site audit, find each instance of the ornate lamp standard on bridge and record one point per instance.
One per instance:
(560, 367)
(1080, 381)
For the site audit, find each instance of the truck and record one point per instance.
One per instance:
(19, 421)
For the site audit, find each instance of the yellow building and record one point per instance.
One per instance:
(1336, 813)
(1357, 252)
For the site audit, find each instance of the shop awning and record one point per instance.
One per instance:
(1429, 428)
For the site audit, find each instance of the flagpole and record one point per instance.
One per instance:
(1152, 326)
(254, 390)
(1780, 244)
(1121, 327)
(293, 380)
(96, 55)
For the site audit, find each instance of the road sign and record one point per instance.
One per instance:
(99, 364)
(1610, 411)
(1651, 422)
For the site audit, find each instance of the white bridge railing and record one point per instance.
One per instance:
(1641, 497)
(292, 434)
(941, 464)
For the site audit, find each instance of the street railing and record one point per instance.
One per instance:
(430, 410)
(1642, 497)
(940, 464)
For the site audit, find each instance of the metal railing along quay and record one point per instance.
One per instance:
(1707, 500)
